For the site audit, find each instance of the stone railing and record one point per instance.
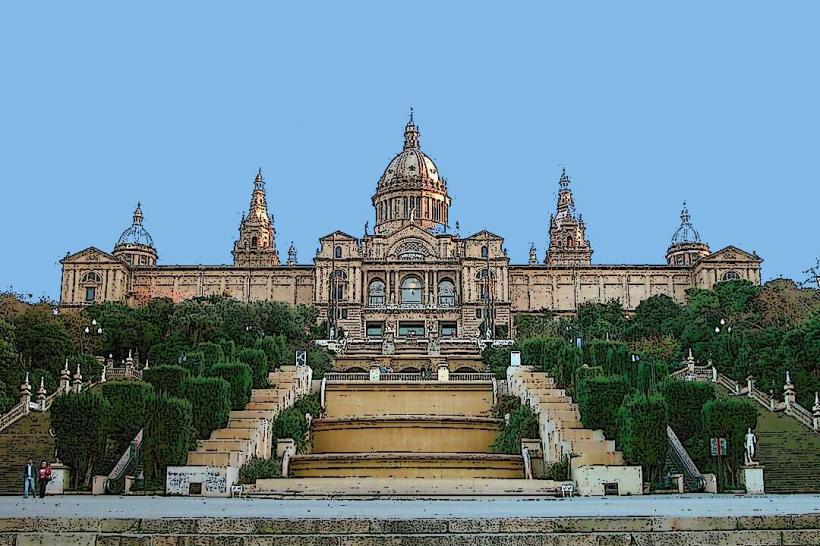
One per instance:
(400, 376)
(347, 376)
(114, 374)
(789, 406)
(472, 376)
(15, 413)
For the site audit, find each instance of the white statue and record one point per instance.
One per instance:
(751, 444)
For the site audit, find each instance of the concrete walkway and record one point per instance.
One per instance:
(182, 507)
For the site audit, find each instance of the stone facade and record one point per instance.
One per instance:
(413, 275)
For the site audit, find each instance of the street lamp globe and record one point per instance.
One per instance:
(717, 329)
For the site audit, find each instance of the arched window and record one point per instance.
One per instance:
(375, 292)
(730, 276)
(338, 285)
(91, 277)
(411, 290)
(446, 293)
(338, 252)
(254, 241)
(569, 241)
(485, 252)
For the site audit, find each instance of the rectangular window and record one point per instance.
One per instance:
(447, 329)
(478, 313)
(407, 329)
(90, 293)
(374, 329)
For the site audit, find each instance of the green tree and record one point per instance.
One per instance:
(210, 399)
(656, 317)
(129, 400)
(169, 434)
(258, 362)
(730, 419)
(81, 424)
(167, 379)
(685, 401)
(642, 424)
(239, 376)
(602, 320)
(523, 423)
(598, 401)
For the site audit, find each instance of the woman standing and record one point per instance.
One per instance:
(44, 475)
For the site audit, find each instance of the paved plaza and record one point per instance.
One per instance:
(182, 507)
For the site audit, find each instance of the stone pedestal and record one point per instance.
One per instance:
(711, 483)
(752, 478)
(283, 445)
(59, 479)
(375, 372)
(677, 479)
(98, 485)
(443, 371)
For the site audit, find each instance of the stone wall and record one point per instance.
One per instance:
(583, 531)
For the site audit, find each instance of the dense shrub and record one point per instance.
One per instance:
(291, 423)
(166, 379)
(505, 404)
(523, 423)
(642, 433)
(210, 399)
(167, 353)
(730, 419)
(169, 433)
(276, 349)
(194, 362)
(81, 424)
(259, 469)
(598, 401)
(128, 401)
(541, 352)
(497, 359)
(582, 374)
(309, 403)
(239, 377)
(228, 348)
(258, 362)
(650, 375)
(212, 352)
(685, 401)
(320, 361)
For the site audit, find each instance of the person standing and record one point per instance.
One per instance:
(29, 478)
(44, 475)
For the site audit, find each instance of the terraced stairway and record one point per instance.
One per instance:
(28, 437)
(789, 452)
(440, 430)
(594, 461)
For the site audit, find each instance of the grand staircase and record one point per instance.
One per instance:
(789, 452)
(28, 437)
(594, 463)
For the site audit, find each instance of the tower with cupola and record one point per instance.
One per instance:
(256, 246)
(135, 246)
(686, 247)
(568, 242)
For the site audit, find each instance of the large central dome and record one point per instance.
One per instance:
(410, 189)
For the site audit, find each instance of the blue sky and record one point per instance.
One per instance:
(177, 104)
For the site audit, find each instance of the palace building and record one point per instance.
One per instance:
(411, 275)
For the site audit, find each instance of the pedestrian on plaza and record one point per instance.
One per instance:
(44, 476)
(29, 478)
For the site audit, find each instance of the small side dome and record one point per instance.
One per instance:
(686, 247)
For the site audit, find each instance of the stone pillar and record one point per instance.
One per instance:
(65, 378)
(815, 413)
(78, 380)
(753, 480)
(788, 392)
(750, 385)
(690, 364)
(129, 365)
(443, 371)
(41, 395)
(25, 393)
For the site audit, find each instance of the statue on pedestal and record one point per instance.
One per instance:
(751, 445)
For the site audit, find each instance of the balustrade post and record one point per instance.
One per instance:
(41, 395)
(750, 385)
(788, 392)
(815, 413)
(65, 378)
(78, 380)
(25, 394)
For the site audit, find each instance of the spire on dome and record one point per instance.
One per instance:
(138, 214)
(686, 232)
(259, 182)
(411, 134)
(292, 254)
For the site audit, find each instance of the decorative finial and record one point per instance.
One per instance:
(411, 114)
(259, 181)
(788, 378)
(411, 134)
(138, 213)
(564, 180)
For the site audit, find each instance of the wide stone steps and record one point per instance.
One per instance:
(407, 465)
(28, 437)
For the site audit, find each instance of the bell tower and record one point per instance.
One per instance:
(568, 243)
(256, 246)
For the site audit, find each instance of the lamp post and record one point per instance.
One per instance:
(89, 330)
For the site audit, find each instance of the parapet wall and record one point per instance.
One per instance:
(577, 531)
(358, 399)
